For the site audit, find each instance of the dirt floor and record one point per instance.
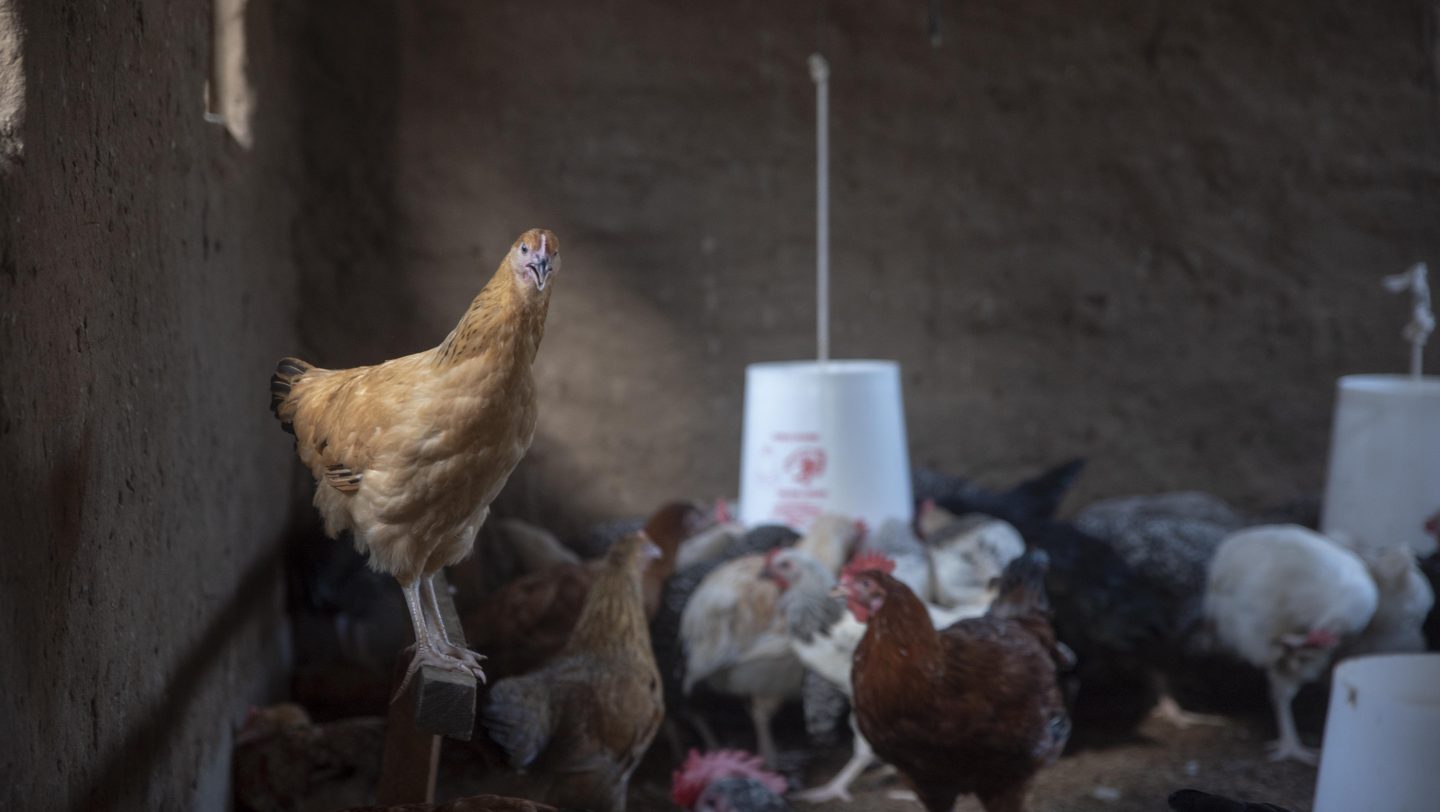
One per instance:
(1131, 776)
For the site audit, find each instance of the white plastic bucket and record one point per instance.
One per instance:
(1382, 736)
(1384, 477)
(824, 437)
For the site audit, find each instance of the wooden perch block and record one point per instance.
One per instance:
(444, 703)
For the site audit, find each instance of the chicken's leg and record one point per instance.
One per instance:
(441, 636)
(425, 653)
(838, 787)
(762, 710)
(1282, 694)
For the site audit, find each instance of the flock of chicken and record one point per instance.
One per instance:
(957, 648)
(962, 647)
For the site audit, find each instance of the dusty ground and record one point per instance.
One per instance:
(1133, 776)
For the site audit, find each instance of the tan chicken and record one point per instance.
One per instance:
(408, 454)
(527, 622)
(575, 730)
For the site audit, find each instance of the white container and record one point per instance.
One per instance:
(1382, 736)
(1384, 477)
(824, 437)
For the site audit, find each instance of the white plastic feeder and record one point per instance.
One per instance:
(1382, 735)
(1384, 481)
(824, 437)
(1384, 477)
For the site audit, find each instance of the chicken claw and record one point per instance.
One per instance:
(426, 655)
(1281, 750)
(463, 659)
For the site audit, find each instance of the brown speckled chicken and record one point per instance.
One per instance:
(408, 454)
(574, 730)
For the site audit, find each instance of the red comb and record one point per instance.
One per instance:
(699, 771)
(722, 512)
(869, 561)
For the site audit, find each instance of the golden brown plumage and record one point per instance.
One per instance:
(408, 454)
(579, 726)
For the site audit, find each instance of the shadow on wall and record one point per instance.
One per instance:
(143, 744)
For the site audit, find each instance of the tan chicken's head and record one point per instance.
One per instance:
(535, 259)
(634, 551)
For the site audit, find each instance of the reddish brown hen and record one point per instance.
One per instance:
(972, 708)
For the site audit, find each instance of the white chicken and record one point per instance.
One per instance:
(734, 638)
(1405, 600)
(967, 556)
(1284, 598)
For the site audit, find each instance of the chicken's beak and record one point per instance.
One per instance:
(539, 268)
(839, 591)
(652, 551)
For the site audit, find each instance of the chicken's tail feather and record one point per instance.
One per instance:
(1043, 494)
(1022, 586)
(287, 372)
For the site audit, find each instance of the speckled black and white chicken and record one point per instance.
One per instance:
(1168, 540)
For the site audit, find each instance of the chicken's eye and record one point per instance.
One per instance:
(524, 249)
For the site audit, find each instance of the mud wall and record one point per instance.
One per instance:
(1144, 232)
(147, 283)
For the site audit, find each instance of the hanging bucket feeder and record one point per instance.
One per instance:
(823, 436)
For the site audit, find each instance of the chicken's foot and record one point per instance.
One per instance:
(440, 636)
(1288, 746)
(426, 651)
(838, 788)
